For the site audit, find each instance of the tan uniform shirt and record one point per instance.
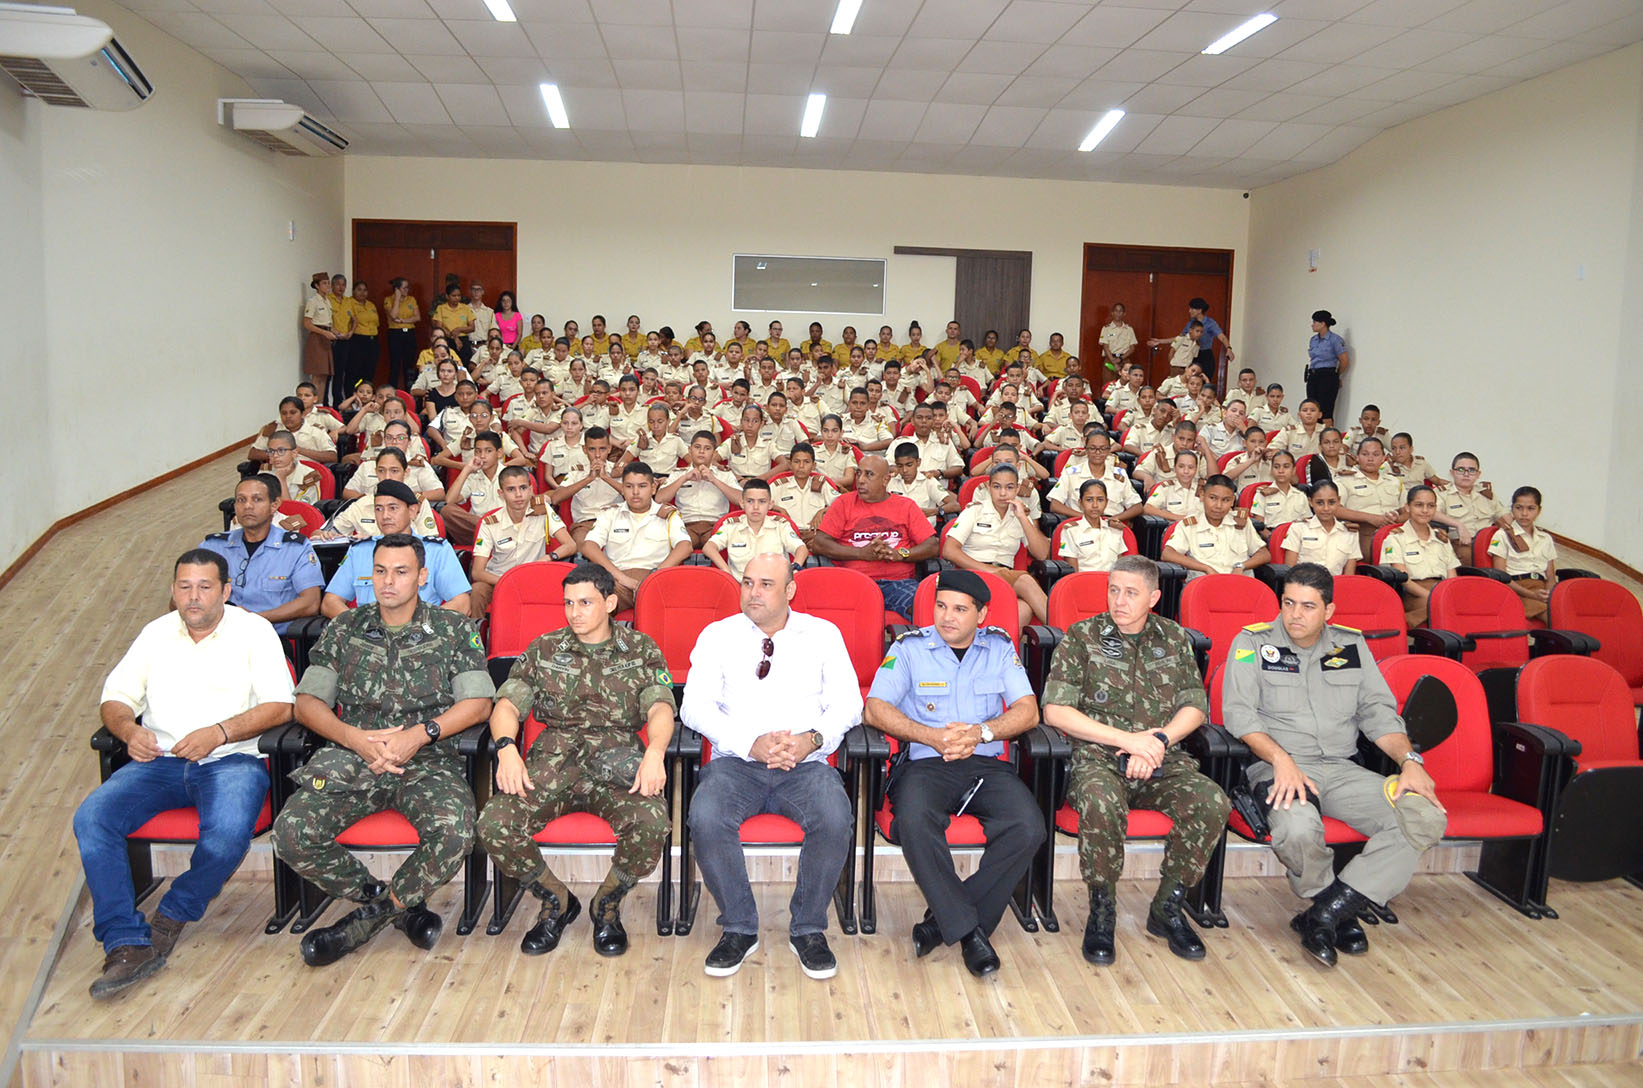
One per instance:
(1473, 511)
(836, 463)
(1382, 495)
(664, 454)
(924, 492)
(310, 436)
(1117, 338)
(593, 499)
(1096, 547)
(1177, 500)
(1419, 469)
(1431, 558)
(1222, 547)
(699, 500)
(501, 544)
(987, 535)
(802, 504)
(754, 459)
(868, 431)
(637, 541)
(1295, 439)
(1264, 417)
(359, 519)
(1121, 495)
(1312, 543)
(934, 454)
(1280, 506)
(1542, 550)
(739, 543)
(481, 492)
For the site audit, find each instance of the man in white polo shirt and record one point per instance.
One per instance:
(206, 678)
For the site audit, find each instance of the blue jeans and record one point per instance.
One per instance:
(811, 795)
(228, 793)
(898, 596)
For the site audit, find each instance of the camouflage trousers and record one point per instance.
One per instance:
(576, 772)
(338, 789)
(1103, 798)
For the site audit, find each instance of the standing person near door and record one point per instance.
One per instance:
(316, 322)
(1326, 363)
(402, 314)
(1198, 311)
(362, 345)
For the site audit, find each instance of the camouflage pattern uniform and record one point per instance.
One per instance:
(591, 699)
(1135, 683)
(380, 677)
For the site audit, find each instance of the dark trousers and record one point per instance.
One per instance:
(1323, 384)
(401, 357)
(362, 360)
(342, 352)
(924, 796)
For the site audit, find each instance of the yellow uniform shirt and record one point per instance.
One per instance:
(405, 316)
(447, 316)
(946, 354)
(991, 358)
(342, 316)
(367, 321)
(633, 343)
(1054, 363)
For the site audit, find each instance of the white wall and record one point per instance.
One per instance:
(1482, 261)
(620, 238)
(156, 246)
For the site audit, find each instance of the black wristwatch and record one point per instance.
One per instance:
(503, 742)
(431, 728)
(1163, 738)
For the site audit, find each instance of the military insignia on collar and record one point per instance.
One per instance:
(1270, 653)
(1112, 646)
(563, 658)
(319, 782)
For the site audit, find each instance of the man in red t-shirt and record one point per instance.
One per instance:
(880, 534)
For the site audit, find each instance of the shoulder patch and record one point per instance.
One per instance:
(294, 537)
(1258, 627)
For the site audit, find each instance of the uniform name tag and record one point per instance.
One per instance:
(1277, 659)
(932, 683)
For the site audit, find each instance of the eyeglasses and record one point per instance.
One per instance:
(281, 449)
(239, 576)
(769, 649)
(1458, 471)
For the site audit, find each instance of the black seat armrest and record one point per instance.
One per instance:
(1482, 572)
(1383, 573)
(1556, 641)
(1431, 640)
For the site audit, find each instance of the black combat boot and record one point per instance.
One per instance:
(1318, 925)
(329, 944)
(609, 938)
(420, 925)
(543, 937)
(1167, 919)
(1098, 946)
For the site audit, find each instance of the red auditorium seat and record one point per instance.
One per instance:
(674, 605)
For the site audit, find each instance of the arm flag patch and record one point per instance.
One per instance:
(889, 662)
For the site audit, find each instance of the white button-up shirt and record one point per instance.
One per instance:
(811, 684)
(178, 685)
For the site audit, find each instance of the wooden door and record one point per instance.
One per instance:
(1103, 288)
(1155, 284)
(990, 291)
(425, 253)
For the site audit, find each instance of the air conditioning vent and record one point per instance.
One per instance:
(279, 126)
(64, 59)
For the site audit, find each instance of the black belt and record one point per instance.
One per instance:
(1528, 577)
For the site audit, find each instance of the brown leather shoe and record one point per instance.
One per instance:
(125, 967)
(163, 932)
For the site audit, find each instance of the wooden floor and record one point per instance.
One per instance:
(1463, 992)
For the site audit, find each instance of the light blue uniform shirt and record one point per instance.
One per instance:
(284, 566)
(924, 679)
(352, 581)
(1324, 352)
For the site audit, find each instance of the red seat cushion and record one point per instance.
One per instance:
(771, 827)
(1474, 815)
(385, 828)
(582, 828)
(961, 830)
(1144, 823)
(183, 824)
(1335, 832)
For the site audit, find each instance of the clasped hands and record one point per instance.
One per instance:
(781, 749)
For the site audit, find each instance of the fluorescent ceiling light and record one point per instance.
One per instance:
(1239, 33)
(501, 10)
(555, 104)
(1108, 122)
(845, 17)
(812, 114)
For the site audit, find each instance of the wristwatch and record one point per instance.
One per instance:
(904, 552)
(816, 738)
(504, 742)
(1413, 757)
(986, 733)
(431, 728)
(1163, 738)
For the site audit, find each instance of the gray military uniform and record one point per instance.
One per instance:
(1313, 703)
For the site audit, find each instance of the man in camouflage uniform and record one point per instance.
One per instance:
(589, 685)
(1124, 686)
(404, 677)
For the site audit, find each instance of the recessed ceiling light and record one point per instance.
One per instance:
(1239, 33)
(501, 11)
(1108, 121)
(845, 17)
(813, 114)
(555, 104)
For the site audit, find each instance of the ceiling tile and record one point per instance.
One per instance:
(385, 66)
(1098, 94)
(521, 70)
(955, 18)
(1037, 91)
(654, 111)
(703, 44)
(648, 75)
(764, 78)
(591, 72)
(241, 7)
(450, 10)
(1486, 16)
(416, 35)
(145, 7)
(932, 54)
(1411, 48)
(858, 51)
(887, 119)
(1114, 27)
(1071, 60)
(949, 122)
(1336, 144)
(633, 12)
(1007, 126)
(1280, 37)
(1274, 75)
(1479, 54)
(1551, 58)
(309, 64)
(493, 39)
(723, 14)
(842, 118)
(1201, 71)
(1141, 65)
(644, 43)
(571, 40)
(252, 63)
(972, 88)
(295, 91)
(392, 9)
(412, 103)
(1339, 111)
(598, 110)
(1573, 17)
(1287, 141)
(791, 48)
(1160, 98)
(1340, 43)
(203, 32)
(1034, 21)
(1232, 137)
(1062, 130)
(469, 104)
(1316, 9)
(806, 16)
(1176, 135)
(887, 17)
(1221, 102)
(1188, 31)
(715, 75)
(268, 31)
(843, 82)
(1001, 58)
(351, 100)
(773, 115)
(525, 109)
(713, 111)
(1403, 85)
(1402, 13)
(1280, 107)
(449, 68)
(344, 36)
(1340, 79)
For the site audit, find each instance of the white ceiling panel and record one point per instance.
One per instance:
(994, 87)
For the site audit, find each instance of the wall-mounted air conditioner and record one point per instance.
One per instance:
(64, 59)
(279, 126)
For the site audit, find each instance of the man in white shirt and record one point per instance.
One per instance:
(206, 678)
(771, 666)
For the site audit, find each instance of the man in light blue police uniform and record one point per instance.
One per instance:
(953, 693)
(275, 571)
(445, 583)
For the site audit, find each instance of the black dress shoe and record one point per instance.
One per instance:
(321, 947)
(727, 956)
(1350, 937)
(979, 956)
(1167, 919)
(543, 937)
(1317, 924)
(420, 925)
(609, 938)
(926, 937)
(1098, 931)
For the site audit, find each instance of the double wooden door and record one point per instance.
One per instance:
(1154, 284)
(425, 253)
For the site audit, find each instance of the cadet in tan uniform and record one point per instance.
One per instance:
(1216, 541)
(587, 482)
(1092, 542)
(748, 452)
(755, 531)
(1180, 497)
(932, 498)
(516, 534)
(358, 519)
(657, 445)
(987, 536)
(1302, 437)
(1299, 692)
(1534, 569)
(1158, 466)
(297, 480)
(1420, 550)
(1323, 538)
(701, 491)
(1279, 501)
(1467, 506)
(1406, 463)
(638, 537)
(1370, 495)
(312, 441)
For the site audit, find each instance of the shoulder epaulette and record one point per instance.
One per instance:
(494, 519)
(216, 536)
(1258, 627)
(294, 537)
(999, 631)
(1345, 627)
(434, 540)
(916, 632)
